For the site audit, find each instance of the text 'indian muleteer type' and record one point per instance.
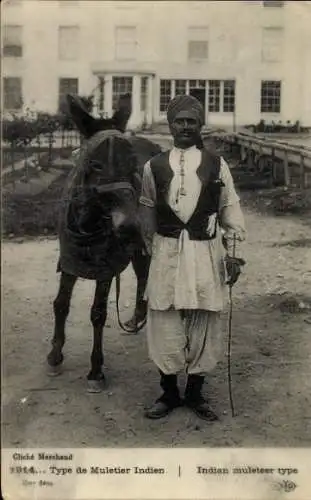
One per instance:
(246, 469)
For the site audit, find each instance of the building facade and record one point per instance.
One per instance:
(245, 60)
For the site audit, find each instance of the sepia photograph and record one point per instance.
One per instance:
(156, 215)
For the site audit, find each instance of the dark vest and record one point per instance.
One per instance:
(168, 223)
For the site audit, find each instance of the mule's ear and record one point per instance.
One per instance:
(80, 115)
(123, 112)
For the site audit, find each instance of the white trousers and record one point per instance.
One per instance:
(193, 343)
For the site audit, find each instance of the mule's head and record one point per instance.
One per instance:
(109, 168)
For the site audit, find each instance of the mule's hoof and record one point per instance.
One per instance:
(131, 324)
(95, 386)
(54, 371)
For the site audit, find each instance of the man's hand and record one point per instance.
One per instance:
(148, 226)
(146, 251)
(233, 265)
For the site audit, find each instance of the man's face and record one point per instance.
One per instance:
(185, 129)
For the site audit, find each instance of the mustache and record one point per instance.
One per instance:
(192, 135)
(188, 131)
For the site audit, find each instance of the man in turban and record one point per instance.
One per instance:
(191, 216)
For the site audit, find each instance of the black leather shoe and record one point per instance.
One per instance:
(202, 410)
(158, 410)
(161, 409)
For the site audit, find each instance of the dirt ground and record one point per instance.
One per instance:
(271, 353)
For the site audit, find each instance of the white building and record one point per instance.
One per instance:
(246, 60)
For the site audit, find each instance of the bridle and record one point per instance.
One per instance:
(127, 330)
(115, 186)
(110, 187)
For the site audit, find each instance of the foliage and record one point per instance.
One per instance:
(22, 130)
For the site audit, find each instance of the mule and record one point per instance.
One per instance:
(99, 230)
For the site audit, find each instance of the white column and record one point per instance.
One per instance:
(173, 88)
(95, 90)
(150, 100)
(221, 97)
(206, 102)
(135, 119)
(156, 99)
(108, 95)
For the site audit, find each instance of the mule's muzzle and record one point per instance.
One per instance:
(125, 224)
(129, 232)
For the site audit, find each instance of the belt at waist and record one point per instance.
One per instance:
(194, 234)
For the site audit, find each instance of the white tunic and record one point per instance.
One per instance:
(188, 274)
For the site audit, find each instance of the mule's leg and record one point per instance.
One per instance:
(141, 265)
(61, 306)
(98, 319)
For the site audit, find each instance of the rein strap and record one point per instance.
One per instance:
(114, 186)
(127, 330)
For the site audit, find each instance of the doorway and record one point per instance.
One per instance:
(200, 95)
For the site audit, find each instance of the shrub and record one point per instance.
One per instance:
(20, 131)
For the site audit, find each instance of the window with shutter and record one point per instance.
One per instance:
(125, 43)
(12, 93)
(68, 42)
(12, 41)
(66, 86)
(272, 44)
(198, 42)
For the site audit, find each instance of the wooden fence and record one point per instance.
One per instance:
(263, 154)
(283, 163)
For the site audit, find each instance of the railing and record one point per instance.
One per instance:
(39, 153)
(262, 153)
